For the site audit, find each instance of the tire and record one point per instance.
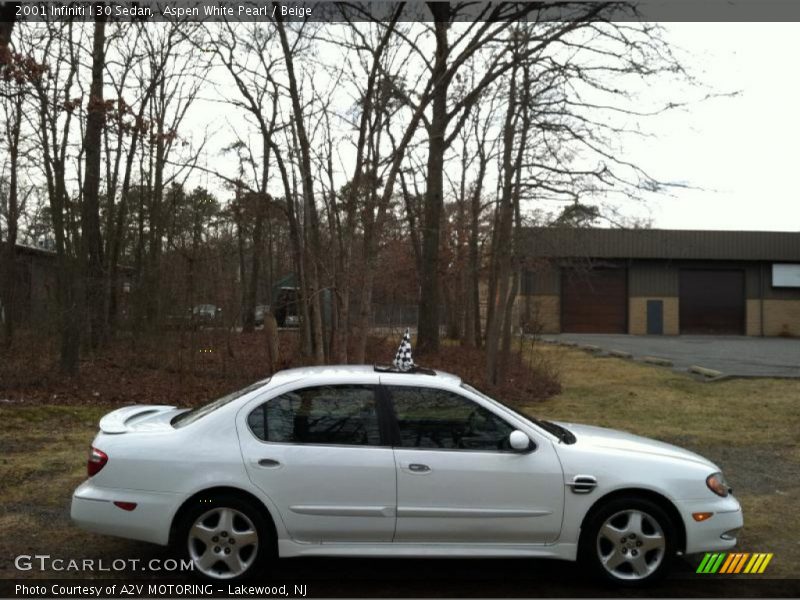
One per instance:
(228, 538)
(629, 541)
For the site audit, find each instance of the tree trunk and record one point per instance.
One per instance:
(8, 263)
(501, 242)
(238, 220)
(296, 243)
(92, 244)
(310, 210)
(273, 342)
(8, 16)
(428, 324)
(255, 264)
(508, 327)
(473, 317)
(118, 235)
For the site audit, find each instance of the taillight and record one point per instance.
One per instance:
(97, 460)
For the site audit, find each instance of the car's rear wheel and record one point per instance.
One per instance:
(226, 537)
(630, 541)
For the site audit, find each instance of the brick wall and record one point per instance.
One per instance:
(782, 317)
(637, 315)
(541, 314)
(753, 317)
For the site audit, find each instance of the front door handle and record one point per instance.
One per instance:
(418, 468)
(269, 462)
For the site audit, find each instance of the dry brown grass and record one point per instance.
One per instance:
(43, 450)
(750, 427)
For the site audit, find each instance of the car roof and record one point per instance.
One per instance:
(345, 372)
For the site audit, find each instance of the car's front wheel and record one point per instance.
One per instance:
(225, 537)
(630, 541)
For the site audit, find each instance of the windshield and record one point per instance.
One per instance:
(192, 415)
(469, 388)
(560, 432)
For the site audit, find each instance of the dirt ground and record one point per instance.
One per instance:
(749, 427)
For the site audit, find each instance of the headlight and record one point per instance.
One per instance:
(717, 484)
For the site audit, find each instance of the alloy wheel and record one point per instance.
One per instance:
(223, 543)
(631, 545)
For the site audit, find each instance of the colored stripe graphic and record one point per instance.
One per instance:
(734, 563)
(752, 562)
(765, 563)
(740, 564)
(702, 566)
(718, 562)
(728, 562)
(757, 564)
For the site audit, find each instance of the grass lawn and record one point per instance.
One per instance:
(749, 427)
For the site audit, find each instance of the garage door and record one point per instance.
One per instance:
(711, 302)
(594, 301)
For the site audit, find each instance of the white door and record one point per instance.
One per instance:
(458, 480)
(317, 452)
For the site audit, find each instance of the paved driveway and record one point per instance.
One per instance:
(732, 355)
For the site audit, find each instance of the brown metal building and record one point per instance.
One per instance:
(35, 302)
(668, 282)
(35, 286)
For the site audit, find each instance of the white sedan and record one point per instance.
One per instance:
(366, 461)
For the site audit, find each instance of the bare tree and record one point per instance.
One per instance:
(129, 122)
(92, 243)
(365, 208)
(53, 68)
(486, 40)
(13, 94)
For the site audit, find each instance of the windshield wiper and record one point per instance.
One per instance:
(563, 434)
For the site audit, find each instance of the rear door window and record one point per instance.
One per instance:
(342, 415)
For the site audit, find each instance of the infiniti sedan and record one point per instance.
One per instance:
(367, 461)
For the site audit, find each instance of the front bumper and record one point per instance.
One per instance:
(93, 509)
(717, 533)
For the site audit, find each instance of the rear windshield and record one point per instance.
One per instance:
(190, 416)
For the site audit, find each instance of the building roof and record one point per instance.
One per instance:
(27, 249)
(563, 242)
(51, 255)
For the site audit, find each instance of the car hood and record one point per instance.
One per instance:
(613, 439)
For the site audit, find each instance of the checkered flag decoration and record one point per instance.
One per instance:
(403, 360)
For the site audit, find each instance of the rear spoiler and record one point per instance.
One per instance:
(120, 420)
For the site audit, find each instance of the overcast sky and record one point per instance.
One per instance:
(742, 151)
(739, 155)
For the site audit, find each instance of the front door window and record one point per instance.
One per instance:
(440, 419)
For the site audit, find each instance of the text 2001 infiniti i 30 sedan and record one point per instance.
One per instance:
(365, 461)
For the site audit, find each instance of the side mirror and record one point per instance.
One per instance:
(519, 441)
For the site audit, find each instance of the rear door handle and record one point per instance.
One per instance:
(418, 468)
(269, 462)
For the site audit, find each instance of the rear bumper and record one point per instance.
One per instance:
(93, 509)
(717, 533)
